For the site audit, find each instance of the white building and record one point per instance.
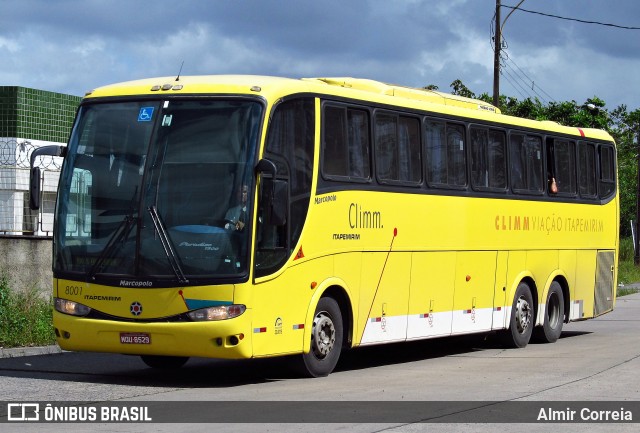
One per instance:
(30, 118)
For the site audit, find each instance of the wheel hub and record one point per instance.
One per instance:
(323, 336)
(523, 315)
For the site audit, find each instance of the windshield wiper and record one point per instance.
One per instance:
(121, 233)
(167, 245)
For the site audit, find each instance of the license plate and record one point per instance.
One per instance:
(135, 338)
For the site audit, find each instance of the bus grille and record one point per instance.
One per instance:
(604, 283)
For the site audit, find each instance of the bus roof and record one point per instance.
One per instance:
(273, 88)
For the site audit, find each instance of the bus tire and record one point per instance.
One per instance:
(326, 339)
(522, 319)
(551, 328)
(164, 362)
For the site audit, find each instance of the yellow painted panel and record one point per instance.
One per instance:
(500, 291)
(475, 279)
(155, 302)
(541, 264)
(431, 292)
(567, 263)
(384, 293)
(516, 270)
(281, 305)
(474, 291)
(585, 281)
(432, 282)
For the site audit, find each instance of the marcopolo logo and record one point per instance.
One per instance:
(128, 283)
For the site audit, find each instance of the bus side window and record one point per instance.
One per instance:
(607, 171)
(562, 166)
(456, 156)
(346, 142)
(525, 157)
(445, 154)
(587, 170)
(334, 152)
(397, 146)
(488, 162)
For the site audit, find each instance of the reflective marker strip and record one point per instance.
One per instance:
(259, 330)
(497, 309)
(424, 316)
(376, 319)
(301, 326)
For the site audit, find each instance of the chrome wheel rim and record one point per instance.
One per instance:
(523, 315)
(323, 336)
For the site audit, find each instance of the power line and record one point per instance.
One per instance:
(530, 82)
(573, 19)
(515, 81)
(513, 84)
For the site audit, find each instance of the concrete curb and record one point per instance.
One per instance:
(29, 351)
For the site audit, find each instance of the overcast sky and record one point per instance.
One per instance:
(73, 46)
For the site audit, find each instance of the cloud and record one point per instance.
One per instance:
(71, 46)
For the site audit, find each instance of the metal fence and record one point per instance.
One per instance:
(16, 217)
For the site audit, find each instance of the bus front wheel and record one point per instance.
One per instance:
(522, 318)
(164, 362)
(326, 339)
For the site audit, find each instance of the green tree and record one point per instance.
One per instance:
(461, 90)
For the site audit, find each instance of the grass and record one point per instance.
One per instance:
(628, 271)
(25, 318)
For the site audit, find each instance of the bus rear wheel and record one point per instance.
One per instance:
(522, 319)
(326, 339)
(164, 362)
(551, 328)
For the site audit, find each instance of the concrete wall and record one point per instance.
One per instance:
(26, 262)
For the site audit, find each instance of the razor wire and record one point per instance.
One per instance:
(16, 217)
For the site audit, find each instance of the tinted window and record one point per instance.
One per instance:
(398, 148)
(445, 154)
(488, 162)
(525, 156)
(607, 171)
(587, 170)
(290, 146)
(564, 166)
(346, 143)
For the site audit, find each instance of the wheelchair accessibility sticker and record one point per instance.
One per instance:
(145, 114)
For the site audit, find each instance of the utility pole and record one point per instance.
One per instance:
(497, 45)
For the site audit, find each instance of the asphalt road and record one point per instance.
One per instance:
(593, 361)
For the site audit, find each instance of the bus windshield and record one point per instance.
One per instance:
(158, 190)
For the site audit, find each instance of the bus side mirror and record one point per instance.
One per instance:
(34, 189)
(34, 177)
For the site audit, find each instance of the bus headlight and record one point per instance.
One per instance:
(217, 313)
(70, 307)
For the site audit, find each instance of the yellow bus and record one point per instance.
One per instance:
(248, 216)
